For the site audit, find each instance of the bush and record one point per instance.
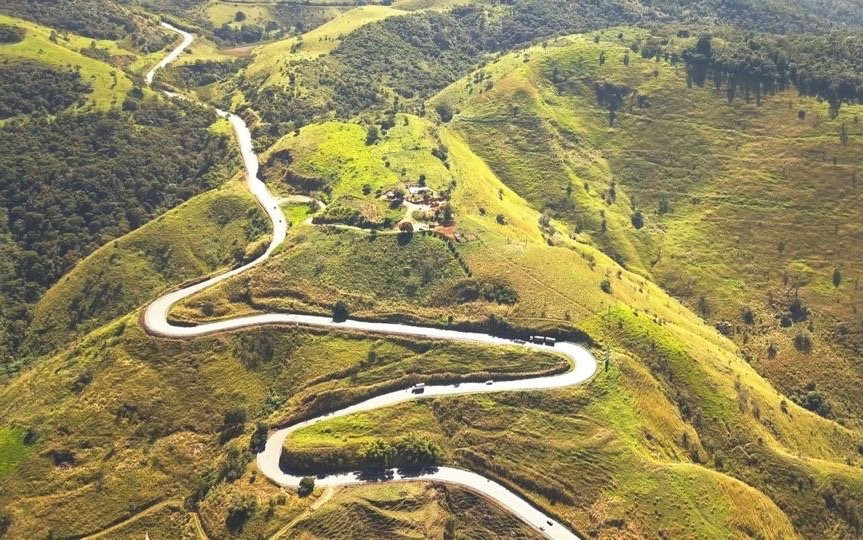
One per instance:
(259, 438)
(232, 425)
(803, 342)
(444, 110)
(340, 311)
(605, 285)
(239, 512)
(307, 486)
(11, 34)
(637, 219)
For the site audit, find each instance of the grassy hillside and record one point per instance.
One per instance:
(734, 219)
(109, 84)
(205, 234)
(423, 510)
(679, 409)
(121, 422)
(596, 196)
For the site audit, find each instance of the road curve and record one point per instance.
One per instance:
(155, 321)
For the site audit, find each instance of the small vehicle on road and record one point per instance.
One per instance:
(489, 382)
(520, 341)
(418, 388)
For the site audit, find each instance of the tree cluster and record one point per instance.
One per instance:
(70, 184)
(829, 67)
(28, 87)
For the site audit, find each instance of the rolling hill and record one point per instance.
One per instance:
(685, 206)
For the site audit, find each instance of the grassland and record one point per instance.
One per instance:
(337, 160)
(124, 422)
(110, 84)
(409, 510)
(735, 216)
(12, 449)
(682, 436)
(378, 276)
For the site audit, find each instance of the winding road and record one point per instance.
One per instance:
(155, 321)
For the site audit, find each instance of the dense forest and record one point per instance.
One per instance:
(31, 87)
(100, 19)
(70, 184)
(829, 67)
(11, 34)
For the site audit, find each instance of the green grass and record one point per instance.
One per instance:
(110, 84)
(413, 510)
(681, 437)
(143, 423)
(337, 154)
(379, 276)
(751, 192)
(13, 451)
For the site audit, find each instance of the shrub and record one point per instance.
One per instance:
(837, 277)
(11, 34)
(240, 511)
(803, 342)
(501, 219)
(637, 219)
(816, 402)
(372, 135)
(259, 438)
(444, 110)
(307, 486)
(605, 285)
(340, 311)
(747, 316)
(232, 424)
(406, 227)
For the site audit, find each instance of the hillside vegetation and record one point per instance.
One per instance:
(732, 221)
(120, 422)
(685, 205)
(679, 409)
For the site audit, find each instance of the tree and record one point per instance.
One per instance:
(605, 285)
(259, 438)
(378, 455)
(340, 311)
(239, 16)
(307, 486)
(372, 135)
(406, 227)
(837, 277)
(444, 110)
(637, 219)
(843, 135)
(239, 512)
